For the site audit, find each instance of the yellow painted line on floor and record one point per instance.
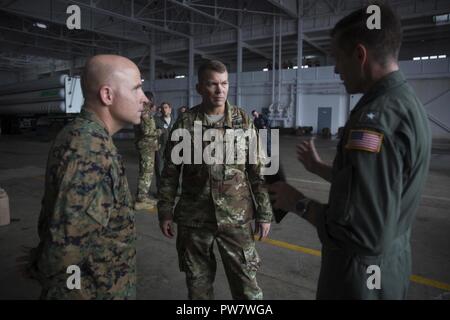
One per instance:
(292, 247)
(430, 282)
(426, 196)
(435, 198)
(306, 181)
(317, 253)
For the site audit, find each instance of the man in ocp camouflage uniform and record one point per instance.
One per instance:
(146, 140)
(86, 220)
(216, 203)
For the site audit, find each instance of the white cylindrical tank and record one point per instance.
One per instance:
(5, 218)
(35, 108)
(33, 96)
(42, 84)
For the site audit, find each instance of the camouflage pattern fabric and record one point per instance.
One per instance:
(146, 140)
(86, 218)
(237, 250)
(219, 194)
(217, 204)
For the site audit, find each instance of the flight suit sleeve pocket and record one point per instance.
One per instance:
(341, 188)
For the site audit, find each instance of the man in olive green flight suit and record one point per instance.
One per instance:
(146, 140)
(87, 223)
(378, 174)
(216, 203)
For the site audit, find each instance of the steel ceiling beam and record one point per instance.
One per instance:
(203, 13)
(63, 39)
(127, 18)
(257, 51)
(45, 19)
(313, 44)
(280, 5)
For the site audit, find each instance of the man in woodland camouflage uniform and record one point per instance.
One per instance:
(87, 221)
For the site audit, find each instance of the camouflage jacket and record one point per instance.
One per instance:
(86, 217)
(146, 134)
(213, 194)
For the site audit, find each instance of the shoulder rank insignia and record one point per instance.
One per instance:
(366, 140)
(369, 117)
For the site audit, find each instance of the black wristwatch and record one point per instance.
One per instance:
(302, 207)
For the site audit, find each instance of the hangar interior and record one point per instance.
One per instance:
(278, 54)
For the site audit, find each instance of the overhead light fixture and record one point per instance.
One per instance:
(266, 69)
(180, 77)
(433, 57)
(443, 56)
(424, 58)
(416, 58)
(40, 25)
(295, 67)
(142, 80)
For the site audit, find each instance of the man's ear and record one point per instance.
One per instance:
(106, 95)
(361, 54)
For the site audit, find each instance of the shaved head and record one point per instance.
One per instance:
(102, 70)
(112, 89)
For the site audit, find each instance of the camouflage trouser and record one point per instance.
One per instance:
(237, 249)
(146, 169)
(110, 288)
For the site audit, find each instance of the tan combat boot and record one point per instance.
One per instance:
(147, 204)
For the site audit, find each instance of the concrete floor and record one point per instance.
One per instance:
(289, 271)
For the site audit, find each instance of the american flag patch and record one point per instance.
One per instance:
(365, 140)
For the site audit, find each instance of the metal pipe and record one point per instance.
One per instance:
(191, 74)
(239, 61)
(279, 64)
(274, 44)
(298, 103)
(152, 68)
(33, 96)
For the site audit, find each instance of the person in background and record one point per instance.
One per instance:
(164, 123)
(182, 109)
(261, 122)
(146, 141)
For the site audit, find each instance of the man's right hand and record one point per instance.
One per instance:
(167, 228)
(307, 154)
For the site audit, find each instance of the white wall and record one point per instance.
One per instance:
(320, 87)
(431, 81)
